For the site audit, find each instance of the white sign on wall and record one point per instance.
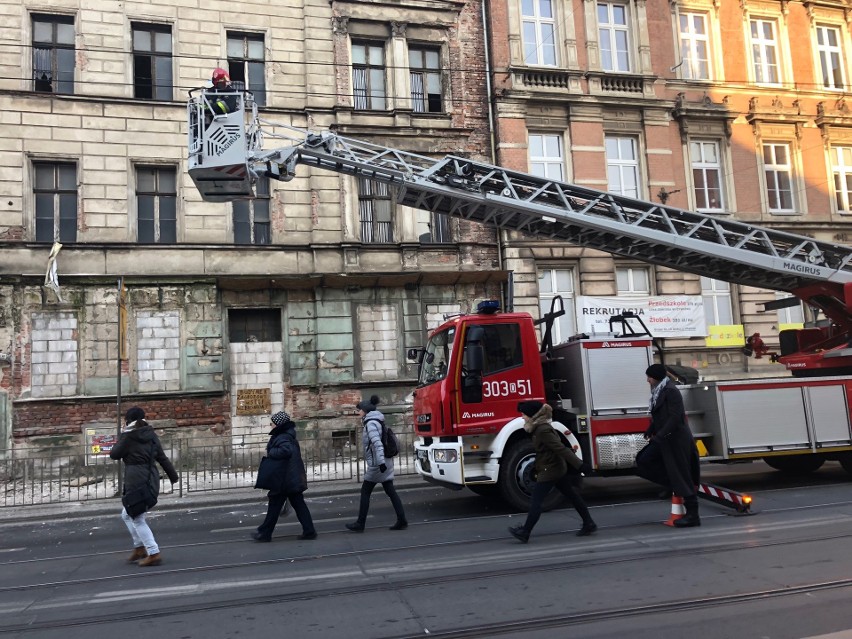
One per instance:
(664, 315)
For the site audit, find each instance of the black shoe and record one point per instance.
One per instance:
(355, 527)
(587, 529)
(520, 533)
(687, 521)
(310, 535)
(258, 536)
(399, 525)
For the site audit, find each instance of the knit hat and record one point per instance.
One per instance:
(529, 408)
(656, 371)
(368, 405)
(133, 414)
(280, 418)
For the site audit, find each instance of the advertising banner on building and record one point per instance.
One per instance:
(664, 315)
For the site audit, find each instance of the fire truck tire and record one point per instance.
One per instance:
(846, 461)
(516, 477)
(796, 464)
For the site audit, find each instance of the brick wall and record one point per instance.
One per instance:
(54, 354)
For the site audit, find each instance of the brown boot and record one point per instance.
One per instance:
(152, 560)
(138, 553)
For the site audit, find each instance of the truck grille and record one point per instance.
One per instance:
(618, 451)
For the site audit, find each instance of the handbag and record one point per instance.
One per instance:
(270, 475)
(141, 498)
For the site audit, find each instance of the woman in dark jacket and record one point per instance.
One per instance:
(670, 458)
(556, 466)
(138, 447)
(284, 448)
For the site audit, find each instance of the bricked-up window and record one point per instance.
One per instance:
(152, 61)
(378, 341)
(55, 192)
(841, 164)
(246, 63)
(53, 53)
(375, 208)
(156, 204)
(254, 324)
(368, 75)
(764, 52)
(694, 46)
(546, 156)
(539, 32)
(622, 164)
(614, 36)
(158, 351)
(716, 296)
(707, 175)
(425, 66)
(54, 354)
(251, 217)
(778, 169)
(553, 282)
(830, 57)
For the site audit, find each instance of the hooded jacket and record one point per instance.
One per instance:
(552, 457)
(139, 448)
(374, 450)
(284, 447)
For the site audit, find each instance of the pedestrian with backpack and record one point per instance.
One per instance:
(379, 462)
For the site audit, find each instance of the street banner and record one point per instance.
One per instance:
(664, 315)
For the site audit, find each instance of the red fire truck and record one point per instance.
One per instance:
(476, 367)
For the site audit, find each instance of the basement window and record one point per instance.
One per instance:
(254, 324)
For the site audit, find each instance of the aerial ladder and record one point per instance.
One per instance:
(226, 157)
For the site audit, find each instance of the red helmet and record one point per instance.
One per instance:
(221, 79)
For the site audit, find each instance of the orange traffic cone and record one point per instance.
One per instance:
(678, 510)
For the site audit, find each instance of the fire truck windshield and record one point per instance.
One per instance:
(436, 360)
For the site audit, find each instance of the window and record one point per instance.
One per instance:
(254, 325)
(251, 217)
(716, 296)
(433, 228)
(539, 32)
(246, 63)
(553, 282)
(436, 358)
(152, 61)
(622, 164)
(632, 280)
(779, 177)
(546, 156)
(375, 208)
(54, 57)
(694, 46)
(707, 175)
(841, 164)
(55, 191)
(425, 66)
(368, 75)
(764, 52)
(156, 203)
(613, 36)
(501, 345)
(830, 57)
(791, 314)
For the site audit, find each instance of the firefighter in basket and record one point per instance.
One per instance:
(221, 98)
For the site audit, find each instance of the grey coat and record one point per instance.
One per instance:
(374, 452)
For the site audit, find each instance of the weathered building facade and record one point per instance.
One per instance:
(310, 293)
(735, 109)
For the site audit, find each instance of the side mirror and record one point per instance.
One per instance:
(415, 355)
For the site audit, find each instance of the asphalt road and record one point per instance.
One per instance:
(783, 573)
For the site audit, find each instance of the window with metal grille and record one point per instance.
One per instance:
(156, 204)
(152, 61)
(375, 206)
(55, 194)
(425, 66)
(432, 228)
(368, 75)
(54, 56)
(246, 63)
(254, 324)
(251, 217)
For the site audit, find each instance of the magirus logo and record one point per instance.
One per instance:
(467, 415)
(616, 344)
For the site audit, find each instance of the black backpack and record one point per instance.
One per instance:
(389, 440)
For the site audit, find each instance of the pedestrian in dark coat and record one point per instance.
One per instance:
(379, 468)
(556, 466)
(284, 447)
(671, 457)
(139, 447)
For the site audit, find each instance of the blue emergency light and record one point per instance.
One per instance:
(488, 307)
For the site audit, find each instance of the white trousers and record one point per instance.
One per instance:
(141, 532)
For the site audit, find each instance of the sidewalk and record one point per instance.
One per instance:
(195, 500)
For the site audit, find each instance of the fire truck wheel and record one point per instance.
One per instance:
(516, 477)
(796, 464)
(846, 462)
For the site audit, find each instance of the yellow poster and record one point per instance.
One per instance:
(725, 335)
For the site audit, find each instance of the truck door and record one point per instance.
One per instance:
(493, 377)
